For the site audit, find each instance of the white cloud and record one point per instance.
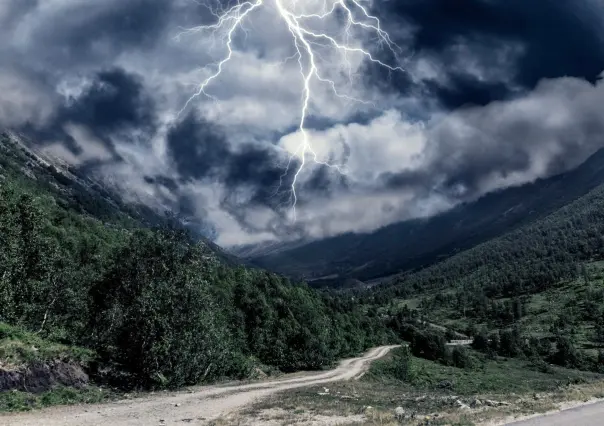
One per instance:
(22, 101)
(259, 98)
(388, 143)
(551, 129)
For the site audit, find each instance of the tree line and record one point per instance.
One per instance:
(159, 309)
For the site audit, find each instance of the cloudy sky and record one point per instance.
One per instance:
(470, 97)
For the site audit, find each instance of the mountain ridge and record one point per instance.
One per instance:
(419, 243)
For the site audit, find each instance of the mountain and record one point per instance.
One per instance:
(80, 193)
(534, 293)
(418, 243)
(147, 303)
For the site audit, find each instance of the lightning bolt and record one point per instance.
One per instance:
(306, 42)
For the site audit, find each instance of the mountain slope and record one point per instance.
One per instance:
(77, 192)
(154, 307)
(418, 243)
(535, 292)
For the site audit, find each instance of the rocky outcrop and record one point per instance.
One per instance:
(42, 376)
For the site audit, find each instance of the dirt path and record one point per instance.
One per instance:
(203, 404)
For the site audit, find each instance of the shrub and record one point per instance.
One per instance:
(461, 358)
(402, 365)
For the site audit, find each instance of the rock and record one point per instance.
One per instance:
(177, 405)
(38, 377)
(257, 373)
(492, 403)
(475, 403)
(445, 384)
(367, 409)
(326, 390)
(461, 405)
(399, 413)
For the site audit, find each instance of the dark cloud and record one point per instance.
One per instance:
(13, 10)
(114, 104)
(164, 181)
(324, 182)
(87, 33)
(548, 131)
(200, 150)
(262, 169)
(115, 101)
(460, 52)
(558, 38)
(466, 90)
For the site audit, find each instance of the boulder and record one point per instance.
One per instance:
(399, 413)
(462, 405)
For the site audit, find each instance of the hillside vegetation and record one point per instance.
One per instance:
(536, 292)
(532, 300)
(152, 306)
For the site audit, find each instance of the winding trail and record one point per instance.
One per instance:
(197, 407)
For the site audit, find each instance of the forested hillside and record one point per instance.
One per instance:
(529, 259)
(536, 292)
(156, 308)
(416, 244)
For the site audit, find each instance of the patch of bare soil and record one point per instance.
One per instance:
(42, 376)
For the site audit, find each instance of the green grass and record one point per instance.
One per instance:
(411, 303)
(21, 348)
(488, 376)
(23, 401)
(18, 347)
(542, 309)
(521, 387)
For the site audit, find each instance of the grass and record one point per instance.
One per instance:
(427, 402)
(542, 309)
(19, 347)
(488, 376)
(12, 401)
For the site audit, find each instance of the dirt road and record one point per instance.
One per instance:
(201, 405)
(584, 415)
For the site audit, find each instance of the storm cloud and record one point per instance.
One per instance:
(494, 93)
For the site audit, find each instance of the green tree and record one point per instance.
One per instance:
(154, 315)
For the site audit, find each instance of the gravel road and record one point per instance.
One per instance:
(197, 407)
(584, 415)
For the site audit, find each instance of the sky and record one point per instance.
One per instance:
(419, 106)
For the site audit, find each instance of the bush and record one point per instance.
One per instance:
(566, 354)
(155, 317)
(428, 345)
(402, 365)
(399, 366)
(481, 342)
(461, 358)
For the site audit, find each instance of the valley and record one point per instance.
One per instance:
(525, 300)
(416, 244)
